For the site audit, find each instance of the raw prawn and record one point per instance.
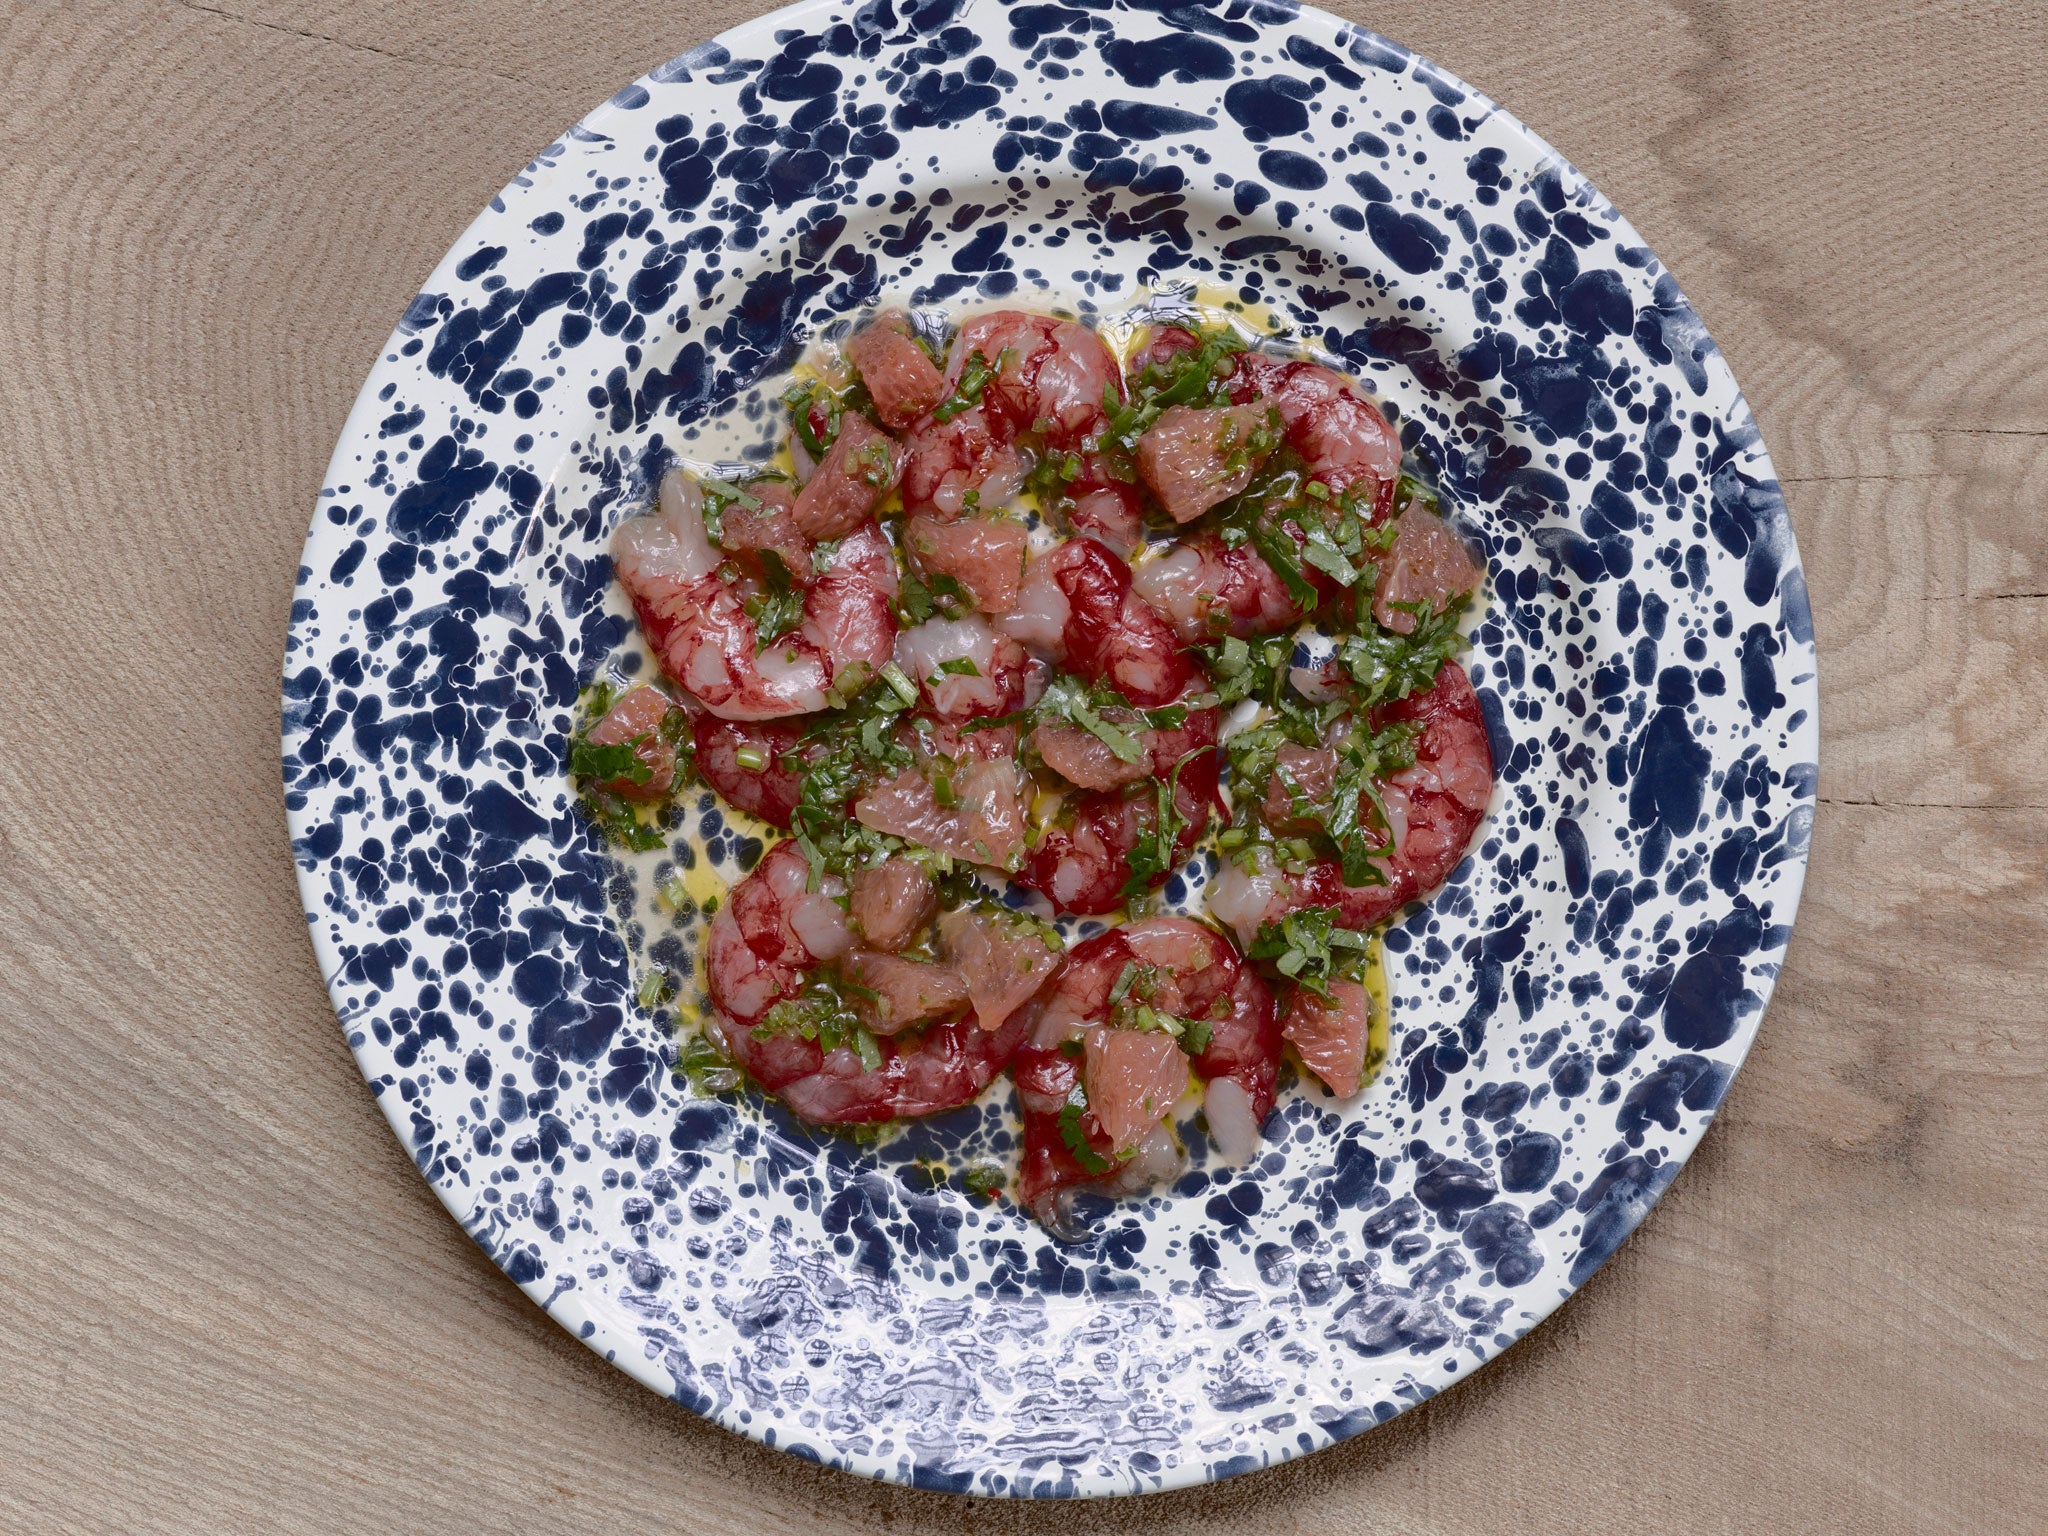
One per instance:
(1434, 806)
(1206, 589)
(1109, 634)
(1054, 380)
(1087, 861)
(1167, 973)
(746, 761)
(960, 465)
(770, 936)
(1104, 849)
(697, 620)
(1339, 433)
(963, 668)
(1027, 386)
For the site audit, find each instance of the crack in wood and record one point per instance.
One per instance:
(352, 47)
(1933, 805)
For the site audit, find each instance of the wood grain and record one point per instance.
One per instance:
(233, 1306)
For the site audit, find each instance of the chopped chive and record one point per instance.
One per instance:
(900, 685)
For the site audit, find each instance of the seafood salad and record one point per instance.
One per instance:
(1029, 620)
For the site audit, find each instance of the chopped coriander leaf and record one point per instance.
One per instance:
(957, 666)
(1408, 491)
(805, 401)
(1340, 823)
(1362, 762)
(602, 763)
(617, 821)
(1073, 702)
(1296, 522)
(1135, 974)
(1386, 666)
(822, 1012)
(780, 608)
(1075, 1135)
(1053, 473)
(1152, 855)
(720, 494)
(918, 598)
(1278, 549)
(1326, 557)
(1309, 947)
(839, 755)
(1195, 1035)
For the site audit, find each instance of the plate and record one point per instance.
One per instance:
(1566, 1013)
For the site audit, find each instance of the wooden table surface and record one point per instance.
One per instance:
(232, 1305)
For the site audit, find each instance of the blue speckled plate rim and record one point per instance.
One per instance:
(567, 1309)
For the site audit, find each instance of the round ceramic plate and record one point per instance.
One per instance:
(1566, 1012)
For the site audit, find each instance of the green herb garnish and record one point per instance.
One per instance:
(1152, 855)
(1385, 666)
(601, 763)
(1076, 1136)
(706, 1068)
(822, 1012)
(974, 377)
(778, 609)
(1194, 377)
(838, 757)
(985, 1180)
(1310, 948)
(918, 598)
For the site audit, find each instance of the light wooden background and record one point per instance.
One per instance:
(228, 1303)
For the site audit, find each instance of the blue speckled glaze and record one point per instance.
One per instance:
(1566, 1013)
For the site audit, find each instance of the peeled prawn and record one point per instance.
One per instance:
(772, 932)
(1436, 805)
(1206, 589)
(1345, 441)
(697, 622)
(1184, 972)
